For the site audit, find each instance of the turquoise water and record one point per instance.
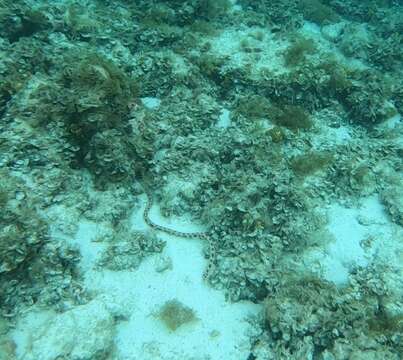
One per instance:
(201, 180)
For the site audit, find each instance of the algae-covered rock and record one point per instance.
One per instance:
(33, 267)
(7, 345)
(128, 248)
(392, 197)
(22, 231)
(308, 316)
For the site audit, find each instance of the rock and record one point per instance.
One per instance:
(7, 349)
(163, 263)
(332, 32)
(83, 333)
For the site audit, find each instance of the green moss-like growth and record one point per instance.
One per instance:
(384, 324)
(174, 314)
(185, 12)
(339, 76)
(89, 98)
(98, 80)
(96, 98)
(295, 54)
(210, 66)
(368, 101)
(204, 27)
(360, 173)
(276, 134)
(161, 33)
(256, 106)
(18, 20)
(209, 9)
(290, 116)
(159, 14)
(4, 196)
(311, 162)
(80, 21)
(315, 11)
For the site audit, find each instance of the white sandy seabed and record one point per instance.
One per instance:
(122, 315)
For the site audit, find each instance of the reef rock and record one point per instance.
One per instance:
(63, 336)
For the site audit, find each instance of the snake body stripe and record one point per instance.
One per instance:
(196, 235)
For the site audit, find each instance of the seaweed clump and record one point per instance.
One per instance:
(295, 54)
(339, 77)
(21, 20)
(369, 103)
(292, 117)
(252, 107)
(311, 162)
(79, 21)
(315, 11)
(209, 9)
(87, 104)
(174, 314)
(276, 134)
(100, 94)
(182, 13)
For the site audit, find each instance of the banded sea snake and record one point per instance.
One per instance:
(194, 235)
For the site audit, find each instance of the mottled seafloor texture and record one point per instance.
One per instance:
(274, 126)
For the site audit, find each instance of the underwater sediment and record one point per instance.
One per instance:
(144, 144)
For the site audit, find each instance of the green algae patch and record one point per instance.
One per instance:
(311, 162)
(317, 12)
(295, 54)
(253, 107)
(292, 117)
(173, 314)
